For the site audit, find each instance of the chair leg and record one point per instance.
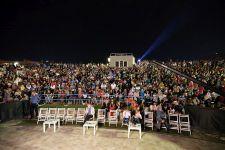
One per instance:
(83, 130)
(54, 127)
(43, 127)
(94, 130)
(140, 133)
(128, 134)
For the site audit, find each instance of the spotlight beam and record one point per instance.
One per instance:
(166, 33)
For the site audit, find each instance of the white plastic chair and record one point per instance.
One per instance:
(184, 123)
(136, 127)
(80, 115)
(113, 117)
(61, 114)
(42, 114)
(174, 122)
(148, 119)
(52, 112)
(70, 115)
(101, 116)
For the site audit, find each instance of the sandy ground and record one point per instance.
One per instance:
(68, 137)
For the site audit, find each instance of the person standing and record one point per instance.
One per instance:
(34, 100)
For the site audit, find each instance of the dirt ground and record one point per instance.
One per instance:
(16, 135)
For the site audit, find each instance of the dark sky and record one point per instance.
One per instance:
(88, 30)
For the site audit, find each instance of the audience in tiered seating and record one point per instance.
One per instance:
(144, 82)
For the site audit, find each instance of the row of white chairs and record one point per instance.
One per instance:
(73, 115)
(65, 115)
(177, 122)
(180, 122)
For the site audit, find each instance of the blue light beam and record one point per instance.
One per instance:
(165, 35)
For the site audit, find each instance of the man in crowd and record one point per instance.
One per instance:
(34, 100)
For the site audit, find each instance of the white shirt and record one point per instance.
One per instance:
(126, 114)
(113, 86)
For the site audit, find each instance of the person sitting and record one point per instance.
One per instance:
(136, 119)
(126, 116)
(160, 118)
(90, 111)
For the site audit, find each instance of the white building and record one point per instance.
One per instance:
(121, 60)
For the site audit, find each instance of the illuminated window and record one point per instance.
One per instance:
(121, 63)
(125, 64)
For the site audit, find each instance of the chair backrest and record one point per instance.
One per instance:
(101, 112)
(43, 111)
(61, 111)
(52, 111)
(149, 115)
(184, 119)
(173, 118)
(70, 111)
(81, 111)
(112, 113)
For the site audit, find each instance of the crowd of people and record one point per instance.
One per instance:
(210, 72)
(144, 83)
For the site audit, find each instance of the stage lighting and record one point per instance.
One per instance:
(16, 64)
(139, 61)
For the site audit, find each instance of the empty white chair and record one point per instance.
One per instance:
(148, 119)
(174, 122)
(52, 112)
(184, 123)
(80, 115)
(113, 117)
(42, 114)
(61, 114)
(101, 116)
(70, 115)
(136, 127)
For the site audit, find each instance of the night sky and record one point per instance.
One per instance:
(88, 30)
